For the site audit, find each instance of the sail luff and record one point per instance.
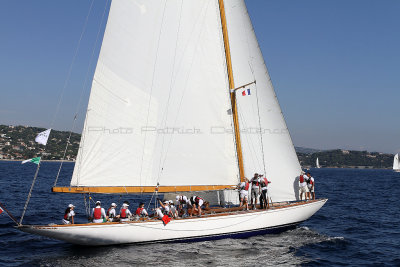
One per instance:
(232, 94)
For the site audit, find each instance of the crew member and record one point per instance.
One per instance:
(124, 213)
(182, 202)
(69, 215)
(164, 209)
(173, 211)
(303, 186)
(311, 185)
(244, 192)
(196, 201)
(141, 211)
(255, 189)
(112, 214)
(98, 213)
(264, 203)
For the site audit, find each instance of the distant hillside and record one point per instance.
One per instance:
(305, 150)
(18, 142)
(347, 159)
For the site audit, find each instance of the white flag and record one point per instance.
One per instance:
(42, 137)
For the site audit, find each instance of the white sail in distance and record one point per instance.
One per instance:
(317, 163)
(396, 162)
(159, 89)
(260, 111)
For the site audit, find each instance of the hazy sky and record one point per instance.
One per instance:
(335, 65)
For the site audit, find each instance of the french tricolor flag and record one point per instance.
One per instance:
(246, 92)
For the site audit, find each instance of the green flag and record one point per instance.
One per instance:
(33, 160)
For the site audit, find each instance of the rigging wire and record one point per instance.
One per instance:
(172, 82)
(71, 65)
(78, 106)
(185, 83)
(249, 141)
(57, 108)
(259, 121)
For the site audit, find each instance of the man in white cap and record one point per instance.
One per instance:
(69, 215)
(111, 213)
(125, 213)
(164, 210)
(98, 213)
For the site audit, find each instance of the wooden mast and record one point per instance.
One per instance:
(232, 86)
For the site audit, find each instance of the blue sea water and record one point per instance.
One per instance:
(358, 226)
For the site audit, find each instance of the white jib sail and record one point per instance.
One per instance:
(158, 100)
(275, 148)
(396, 162)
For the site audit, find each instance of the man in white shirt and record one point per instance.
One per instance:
(164, 210)
(255, 189)
(98, 213)
(112, 213)
(69, 215)
(182, 203)
(125, 213)
(311, 185)
(303, 186)
(244, 192)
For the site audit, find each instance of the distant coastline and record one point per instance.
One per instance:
(17, 144)
(45, 160)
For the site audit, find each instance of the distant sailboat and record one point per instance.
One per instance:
(168, 64)
(396, 163)
(317, 164)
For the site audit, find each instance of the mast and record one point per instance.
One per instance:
(232, 86)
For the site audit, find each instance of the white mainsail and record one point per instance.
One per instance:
(396, 162)
(159, 88)
(317, 163)
(274, 147)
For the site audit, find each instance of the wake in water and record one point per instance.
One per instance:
(270, 250)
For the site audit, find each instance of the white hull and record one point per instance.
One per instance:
(397, 170)
(239, 224)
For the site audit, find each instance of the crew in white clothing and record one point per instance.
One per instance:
(196, 203)
(244, 192)
(303, 186)
(255, 189)
(182, 202)
(141, 211)
(163, 210)
(98, 213)
(125, 214)
(112, 213)
(69, 215)
(311, 186)
(173, 211)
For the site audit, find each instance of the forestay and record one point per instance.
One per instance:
(274, 147)
(160, 89)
